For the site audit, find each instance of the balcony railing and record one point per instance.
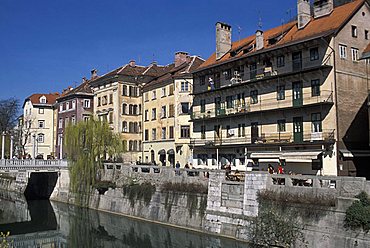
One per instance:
(268, 138)
(264, 104)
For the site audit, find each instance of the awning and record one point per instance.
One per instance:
(354, 153)
(301, 156)
(170, 152)
(346, 153)
(275, 155)
(162, 152)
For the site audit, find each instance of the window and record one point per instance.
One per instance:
(73, 119)
(354, 31)
(342, 51)
(280, 61)
(124, 108)
(163, 136)
(202, 131)
(253, 70)
(314, 53)
(110, 117)
(164, 112)
(124, 126)
(254, 96)
(86, 103)
(184, 107)
(315, 87)
(185, 86)
(354, 52)
(202, 80)
(105, 100)
(110, 98)
(154, 134)
(171, 110)
(41, 124)
(154, 113)
(60, 124)
(43, 99)
(40, 138)
(229, 131)
(281, 126)
(124, 90)
(239, 71)
(99, 101)
(146, 135)
(163, 91)
(241, 130)
(171, 134)
(86, 118)
(366, 34)
(41, 111)
(154, 95)
(227, 74)
(203, 106)
(280, 92)
(229, 102)
(74, 104)
(146, 96)
(67, 105)
(146, 115)
(316, 122)
(171, 89)
(185, 132)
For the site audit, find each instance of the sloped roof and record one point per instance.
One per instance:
(290, 33)
(35, 98)
(366, 53)
(83, 88)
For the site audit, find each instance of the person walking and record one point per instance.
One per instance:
(177, 167)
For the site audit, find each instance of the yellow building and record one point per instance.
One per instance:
(167, 107)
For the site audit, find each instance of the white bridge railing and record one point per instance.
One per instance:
(32, 164)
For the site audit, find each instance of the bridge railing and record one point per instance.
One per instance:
(16, 164)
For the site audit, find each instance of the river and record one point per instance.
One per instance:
(44, 223)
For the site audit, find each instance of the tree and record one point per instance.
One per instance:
(8, 113)
(87, 144)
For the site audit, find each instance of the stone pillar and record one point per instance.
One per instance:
(11, 147)
(61, 146)
(3, 146)
(254, 182)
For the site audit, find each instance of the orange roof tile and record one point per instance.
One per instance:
(50, 98)
(321, 26)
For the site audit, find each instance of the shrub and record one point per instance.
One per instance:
(194, 188)
(142, 191)
(358, 214)
(103, 186)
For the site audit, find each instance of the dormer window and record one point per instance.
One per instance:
(43, 99)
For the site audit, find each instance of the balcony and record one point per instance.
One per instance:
(265, 104)
(326, 136)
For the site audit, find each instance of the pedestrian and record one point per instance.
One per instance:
(177, 168)
(280, 169)
(270, 169)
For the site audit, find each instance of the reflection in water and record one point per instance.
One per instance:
(70, 226)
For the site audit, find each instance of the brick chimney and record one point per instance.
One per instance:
(304, 13)
(223, 39)
(180, 58)
(132, 63)
(94, 73)
(259, 40)
(322, 7)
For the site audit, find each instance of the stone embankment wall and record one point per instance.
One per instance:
(180, 209)
(14, 182)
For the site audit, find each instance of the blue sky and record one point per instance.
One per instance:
(47, 45)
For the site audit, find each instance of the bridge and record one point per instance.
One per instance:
(32, 165)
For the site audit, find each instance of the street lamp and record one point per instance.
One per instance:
(34, 146)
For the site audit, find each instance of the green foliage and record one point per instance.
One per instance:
(358, 214)
(194, 188)
(136, 192)
(273, 229)
(86, 144)
(103, 186)
(4, 242)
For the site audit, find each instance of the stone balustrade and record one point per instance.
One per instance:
(13, 165)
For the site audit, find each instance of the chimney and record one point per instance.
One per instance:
(223, 39)
(94, 73)
(259, 40)
(132, 63)
(304, 13)
(180, 58)
(322, 8)
(84, 80)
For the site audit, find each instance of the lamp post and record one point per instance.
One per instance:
(11, 147)
(34, 146)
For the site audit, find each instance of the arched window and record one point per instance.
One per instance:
(135, 110)
(130, 109)
(135, 127)
(130, 145)
(124, 90)
(135, 145)
(131, 127)
(124, 126)
(124, 108)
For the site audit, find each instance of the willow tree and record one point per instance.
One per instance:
(87, 144)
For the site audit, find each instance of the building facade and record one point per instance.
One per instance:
(292, 95)
(72, 106)
(117, 99)
(39, 125)
(167, 107)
